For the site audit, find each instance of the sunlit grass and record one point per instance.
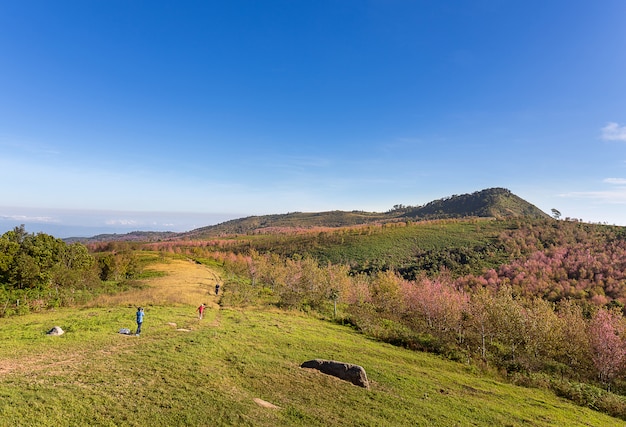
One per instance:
(177, 281)
(211, 374)
(185, 371)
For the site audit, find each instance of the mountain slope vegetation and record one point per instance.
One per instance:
(536, 300)
(493, 202)
(185, 371)
(530, 297)
(490, 203)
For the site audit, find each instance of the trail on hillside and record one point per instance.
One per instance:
(184, 283)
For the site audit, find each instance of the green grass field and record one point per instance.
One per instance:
(390, 245)
(183, 371)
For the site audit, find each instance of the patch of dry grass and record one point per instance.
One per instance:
(185, 282)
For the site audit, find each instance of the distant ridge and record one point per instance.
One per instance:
(489, 203)
(291, 220)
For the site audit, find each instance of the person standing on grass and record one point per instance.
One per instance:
(200, 310)
(217, 288)
(140, 315)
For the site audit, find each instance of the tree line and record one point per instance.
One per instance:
(39, 271)
(496, 325)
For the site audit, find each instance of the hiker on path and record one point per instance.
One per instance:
(140, 315)
(217, 288)
(200, 310)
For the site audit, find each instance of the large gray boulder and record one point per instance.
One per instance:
(345, 371)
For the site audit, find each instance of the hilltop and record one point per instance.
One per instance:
(489, 203)
(494, 202)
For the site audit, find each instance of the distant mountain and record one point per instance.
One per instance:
(492, 202)
(290, 220)
(134, 236)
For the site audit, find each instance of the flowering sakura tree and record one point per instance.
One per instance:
(438, 305)
(607, 333)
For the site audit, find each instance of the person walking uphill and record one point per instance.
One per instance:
(140, 315)
(200, 310)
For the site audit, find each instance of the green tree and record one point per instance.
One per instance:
(572, 347)
(480, 326)
(506, 316)
(540, 331)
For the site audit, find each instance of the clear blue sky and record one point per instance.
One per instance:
(153, 115)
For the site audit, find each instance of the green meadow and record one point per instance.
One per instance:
(227, 369)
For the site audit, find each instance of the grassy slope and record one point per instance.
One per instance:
(400, 244)
(211, 374)
(394, 245)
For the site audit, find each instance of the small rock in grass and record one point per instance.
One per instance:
(265, 404)
(56, 331)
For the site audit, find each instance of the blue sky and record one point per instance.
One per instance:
(151, 115)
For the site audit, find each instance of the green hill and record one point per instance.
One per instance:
(461, 245)
(493, 202)
(211, 373)
(289, 220)
(183, 371)
(489, 203)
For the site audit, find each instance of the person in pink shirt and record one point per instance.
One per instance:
(200, 310)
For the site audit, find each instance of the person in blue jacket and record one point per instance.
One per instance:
(140, 315)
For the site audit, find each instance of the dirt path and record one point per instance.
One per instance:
(184, 282)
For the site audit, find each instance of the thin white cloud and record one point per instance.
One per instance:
(617, 196)
(26, 218)
(614, 132)
(615, 181)
(122, 222)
